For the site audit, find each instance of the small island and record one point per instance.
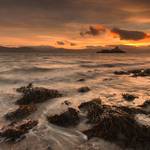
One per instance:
(114, 50)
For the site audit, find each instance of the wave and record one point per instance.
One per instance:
(110, 65)
(28, 70)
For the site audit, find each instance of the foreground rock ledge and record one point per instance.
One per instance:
(32, 94)
(16, 130)
(115, 124)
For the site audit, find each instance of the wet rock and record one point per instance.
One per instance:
(66, 119)
(49, 148)
(121, 73)
(132, 110)
(84, 89)
(67, 103)
(114, 123)
(93, 109)
(32, 94)
(140, 73)
(134, 72)
(22, 112)
(145, 104)
(129, 97)
(16, 130)
(119, 126)
(81, 80)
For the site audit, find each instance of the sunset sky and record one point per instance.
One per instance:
(74, 23)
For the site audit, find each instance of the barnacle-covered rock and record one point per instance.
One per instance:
(20, 113)
(16, 130)
(66, 119)
(32, 94)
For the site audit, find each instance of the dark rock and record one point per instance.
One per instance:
(140, 73)
(121, 72)
(66, 119)
(81, 80)
(67, 103)
(84, 89)
(114, 123)
(134, 72)
(36, 95)
(22, 112)
(145, 104)
(129, 97)
(132, 110)
(114, 126)
(49, 148)
(93, 109)
(16, 130)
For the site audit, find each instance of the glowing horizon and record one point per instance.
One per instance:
(74, 24)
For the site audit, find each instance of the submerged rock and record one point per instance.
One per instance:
(16, 130)
(84, 89)
(66, 103)
(145, 104)
(81, 80)
(121, 72)
(66, 119)
(129, 97)
(134, 72)
(36, 95)
(22, 112)
(114, 123)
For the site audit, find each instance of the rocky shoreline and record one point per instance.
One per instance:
(115, 124)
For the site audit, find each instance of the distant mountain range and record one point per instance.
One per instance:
(29, 49)
(94, 49)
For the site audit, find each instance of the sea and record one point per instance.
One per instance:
(62, 71)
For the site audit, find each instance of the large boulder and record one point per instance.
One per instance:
(66, 119)
(32, 94)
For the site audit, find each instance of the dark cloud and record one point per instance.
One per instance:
(56, 17)
(94, 31)
(57, 13)
(129, 35)
(62, 43)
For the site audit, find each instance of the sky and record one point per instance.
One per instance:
(74, 24)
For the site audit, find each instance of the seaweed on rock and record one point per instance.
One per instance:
(16, 130)
(21, 112)
(115, 123)
(66, 119)
(32, 94)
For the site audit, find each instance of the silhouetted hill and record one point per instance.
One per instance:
(114, 50)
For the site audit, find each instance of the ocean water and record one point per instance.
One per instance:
(62, 71)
